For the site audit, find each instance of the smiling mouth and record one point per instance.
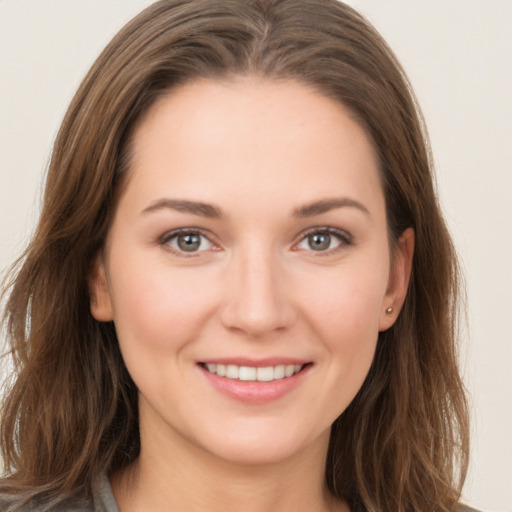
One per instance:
(254, 374)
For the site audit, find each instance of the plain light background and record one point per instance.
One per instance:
(458, 54)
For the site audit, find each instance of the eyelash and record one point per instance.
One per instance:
(343, 237)
(173, 235)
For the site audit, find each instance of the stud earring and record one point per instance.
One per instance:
(389, 311)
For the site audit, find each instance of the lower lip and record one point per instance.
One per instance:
(254, 392)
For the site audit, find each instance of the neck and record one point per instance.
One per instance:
(173, 474)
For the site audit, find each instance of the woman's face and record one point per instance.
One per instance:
(247, 269)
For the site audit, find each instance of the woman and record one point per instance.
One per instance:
(241, 293)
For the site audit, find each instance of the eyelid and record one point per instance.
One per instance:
(344, 237)
(169, 235)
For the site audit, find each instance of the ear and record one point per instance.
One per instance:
(101, 302)
(400, 274)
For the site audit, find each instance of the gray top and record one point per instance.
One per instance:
(102, 500)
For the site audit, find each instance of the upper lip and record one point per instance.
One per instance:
(256, 363)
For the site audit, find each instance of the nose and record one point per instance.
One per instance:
(257, 295)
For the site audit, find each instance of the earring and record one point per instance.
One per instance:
(389, 311)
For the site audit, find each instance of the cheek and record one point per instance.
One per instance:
(344, 315)
(157, 307)
(351, 331)
(348, 301)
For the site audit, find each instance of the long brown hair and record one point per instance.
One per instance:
(71, 412)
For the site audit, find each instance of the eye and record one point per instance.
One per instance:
(187, 241)
(323, 240)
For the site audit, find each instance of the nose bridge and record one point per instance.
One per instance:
(257, 302)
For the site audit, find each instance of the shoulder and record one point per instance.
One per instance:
(100, 499)
(20, 503)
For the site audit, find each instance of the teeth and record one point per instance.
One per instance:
(289, 370)
(247, 373)
(265, 374)
(279, 372)
(251, 373)
(232, 371)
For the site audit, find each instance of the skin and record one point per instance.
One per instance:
(259, 151)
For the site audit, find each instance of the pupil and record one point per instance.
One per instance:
(189, 243)
(320, 241)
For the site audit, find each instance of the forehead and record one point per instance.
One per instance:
(251, 138)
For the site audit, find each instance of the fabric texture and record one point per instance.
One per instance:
(101, 500)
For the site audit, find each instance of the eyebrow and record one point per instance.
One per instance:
(180, 205)
(213, 212)
(326, 205)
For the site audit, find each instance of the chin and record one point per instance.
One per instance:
(265, 446)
